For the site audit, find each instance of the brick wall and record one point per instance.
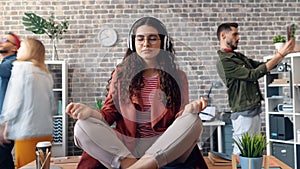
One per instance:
(191, 23)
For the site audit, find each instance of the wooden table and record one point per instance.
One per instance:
(211, 166)
(73, 165)
(69, 162)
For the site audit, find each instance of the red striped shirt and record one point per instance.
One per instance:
(144, 118)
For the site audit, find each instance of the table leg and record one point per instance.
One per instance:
(220, 141)
(211, 132)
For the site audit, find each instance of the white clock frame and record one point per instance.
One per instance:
(107, 37)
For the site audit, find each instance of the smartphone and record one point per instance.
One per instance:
(291, 31)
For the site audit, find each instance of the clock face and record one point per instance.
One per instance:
(107, 37)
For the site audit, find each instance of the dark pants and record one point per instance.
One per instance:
(6, 158)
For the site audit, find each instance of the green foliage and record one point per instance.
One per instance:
(251, 145)
(39, 25)
(99, 104)
(279, 39)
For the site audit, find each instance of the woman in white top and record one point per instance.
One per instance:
(28, 104)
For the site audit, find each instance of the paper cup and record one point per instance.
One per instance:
(43, 155)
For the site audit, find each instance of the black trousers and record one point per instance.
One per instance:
(6, 158)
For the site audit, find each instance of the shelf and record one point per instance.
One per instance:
(277, 72)
(279, 97)
(59, 72)
(283, 113)
(279, 85)
(56, 143)
(57, 116)
(283, 87)
(57, 90)
(283, 141)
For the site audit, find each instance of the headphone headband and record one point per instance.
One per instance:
(151, 21)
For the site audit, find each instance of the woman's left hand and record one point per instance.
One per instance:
(195, 106)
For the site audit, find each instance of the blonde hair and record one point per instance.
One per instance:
(36, 53)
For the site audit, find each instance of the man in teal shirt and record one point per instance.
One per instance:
(240, 75)
(9, 45)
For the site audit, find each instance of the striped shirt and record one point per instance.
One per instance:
(144, 117)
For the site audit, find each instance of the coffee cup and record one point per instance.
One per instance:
(43, 155)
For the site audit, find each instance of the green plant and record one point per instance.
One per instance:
(50, 27)
(39, 25)
(99, 104)
(279, 39)
(251, 145)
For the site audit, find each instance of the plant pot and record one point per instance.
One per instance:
(278, 45)
(251, 163)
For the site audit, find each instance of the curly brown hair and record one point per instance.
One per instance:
(130, 73)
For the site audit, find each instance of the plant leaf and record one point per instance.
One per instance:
(34, 23)
(251, 145)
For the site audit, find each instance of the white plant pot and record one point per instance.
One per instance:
(278, 45)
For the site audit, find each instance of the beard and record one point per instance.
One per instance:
(232, 46)
(3, 51)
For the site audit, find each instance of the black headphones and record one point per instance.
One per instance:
(151, 21)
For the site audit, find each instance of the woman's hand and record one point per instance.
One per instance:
(79, 111)
(3, 134)
(195, 106)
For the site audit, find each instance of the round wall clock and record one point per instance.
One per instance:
(108, 37)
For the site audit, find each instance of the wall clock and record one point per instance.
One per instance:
(108, 37)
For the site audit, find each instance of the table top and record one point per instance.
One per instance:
(71, 163)
(211, 166)
(214, 123)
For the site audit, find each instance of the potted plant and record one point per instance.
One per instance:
(279, 41)
(98, 104)
(53, 29)
(251, 147)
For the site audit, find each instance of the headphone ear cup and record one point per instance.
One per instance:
(130, 43)
(166, 43)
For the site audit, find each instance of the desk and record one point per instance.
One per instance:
(212, 124)
(210, 166)
(71, 165)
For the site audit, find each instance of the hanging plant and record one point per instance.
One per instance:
(39, 25)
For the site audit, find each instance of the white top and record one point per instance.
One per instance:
(29, 102)
(44, 144)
